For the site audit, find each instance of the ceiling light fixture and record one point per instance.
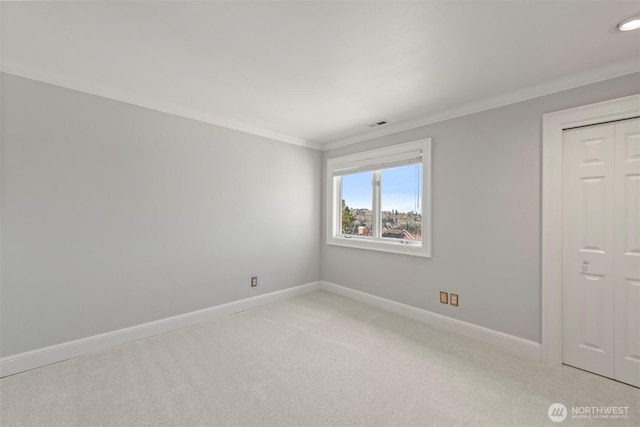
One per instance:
(630, 24)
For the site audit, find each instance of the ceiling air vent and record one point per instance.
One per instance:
(380, 123)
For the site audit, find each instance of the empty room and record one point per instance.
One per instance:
(320, 213)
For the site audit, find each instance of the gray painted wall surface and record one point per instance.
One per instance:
(115, 215)
(486, 217)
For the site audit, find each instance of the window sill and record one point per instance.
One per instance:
(395, 247)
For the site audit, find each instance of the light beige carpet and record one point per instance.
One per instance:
(314, 360)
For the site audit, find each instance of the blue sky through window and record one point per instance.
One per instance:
(401, 189)
(357, 191)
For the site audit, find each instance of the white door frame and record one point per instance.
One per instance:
(553, 124)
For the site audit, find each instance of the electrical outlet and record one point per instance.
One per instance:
(444, 297)
(454, 299)
(254, 281)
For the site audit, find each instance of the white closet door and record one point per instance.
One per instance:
(588, 248)
(627, 252)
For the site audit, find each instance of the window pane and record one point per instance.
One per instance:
(357, 202)
(401, 198)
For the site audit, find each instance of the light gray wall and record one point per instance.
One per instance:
(486, 217)
(115, 215)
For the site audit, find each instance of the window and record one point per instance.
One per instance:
(380, 199)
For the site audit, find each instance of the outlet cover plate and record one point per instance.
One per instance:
(444, 297)
(454, 299)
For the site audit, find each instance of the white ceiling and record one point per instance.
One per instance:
(316, 72)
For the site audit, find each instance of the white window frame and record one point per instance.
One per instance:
(366, 160)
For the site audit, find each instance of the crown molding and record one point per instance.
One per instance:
(595, 75)
(16, 68)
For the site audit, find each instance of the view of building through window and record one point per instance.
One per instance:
(401, 203)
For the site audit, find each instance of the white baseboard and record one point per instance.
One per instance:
(508, 342)
(56, 353)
